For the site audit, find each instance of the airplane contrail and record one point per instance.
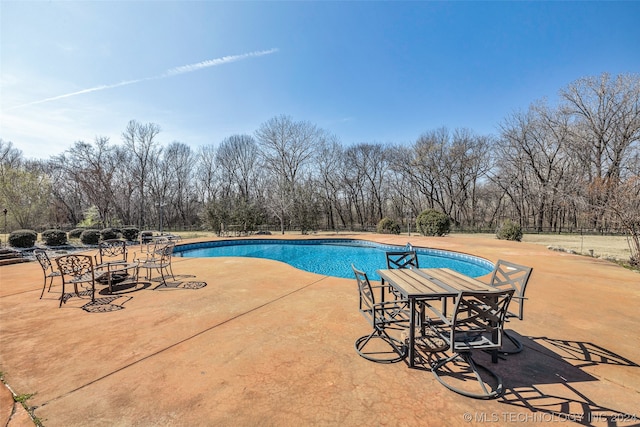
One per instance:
(169, 73)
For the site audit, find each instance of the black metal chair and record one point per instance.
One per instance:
(476, 324)
(47, 269)
(383, 316)
(508, 275)
(76, 270)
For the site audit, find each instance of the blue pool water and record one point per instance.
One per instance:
(333, 257)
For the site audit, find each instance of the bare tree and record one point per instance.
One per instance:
(238, 159)
(329, 156)
(140, 139)
(287, 148)
(93, 167)
(369, 169)
(9, 155)
(624, 207)
(607, 116)
(207, 178)
(535, 143)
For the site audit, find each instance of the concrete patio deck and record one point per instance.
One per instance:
(265, 344)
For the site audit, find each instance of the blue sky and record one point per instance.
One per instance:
(365, 71)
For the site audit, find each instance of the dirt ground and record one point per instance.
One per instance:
(602, 246)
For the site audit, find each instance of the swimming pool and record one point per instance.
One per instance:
(333, 257)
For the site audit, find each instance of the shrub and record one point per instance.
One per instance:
(108, 233)
(23, 238)
(146, 236)
(509, 230)
(54, 237)
(90, 237)
(433, 223)
(130, 233)
(388, 226)
(75, 233)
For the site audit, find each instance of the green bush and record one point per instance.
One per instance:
(146, 236)
(23, 238)
(388, 226)
(433, 223)
(90, 237)
(130, 233)
(109, 233)
(509, 230)
(54, 237)
(75, 233)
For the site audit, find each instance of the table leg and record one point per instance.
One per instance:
(494, 337)
(109, 279)
(412, 331)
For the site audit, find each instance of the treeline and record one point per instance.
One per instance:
(572, 165)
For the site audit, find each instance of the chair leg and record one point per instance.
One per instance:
(164, 282)
(61, 296)
(488, 392)
(44, 286)
(397, 349)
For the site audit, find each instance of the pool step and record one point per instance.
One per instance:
(9, 256)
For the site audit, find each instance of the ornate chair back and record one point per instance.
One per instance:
(76, 270)
(111, 250)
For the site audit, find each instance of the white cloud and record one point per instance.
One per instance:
(169, 73)
(218, 61)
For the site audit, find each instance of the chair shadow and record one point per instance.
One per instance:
(179, 284)
(68, 295)
(548, 364)
(589, 353)
(560, 362)
(105, 304)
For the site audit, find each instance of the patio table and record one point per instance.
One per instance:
(107, 271)
(424, 284)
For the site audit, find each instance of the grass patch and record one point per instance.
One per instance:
(22, 400)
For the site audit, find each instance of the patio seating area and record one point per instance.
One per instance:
(266, 344)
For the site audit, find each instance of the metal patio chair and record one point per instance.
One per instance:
(476, 324)
(47, 269)
(151, 249)
(76, 270)
(407, 259)
(111, 250)
(401, 259)
(112, 261)
(508, 275)
(161, 261)
(383, 316)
